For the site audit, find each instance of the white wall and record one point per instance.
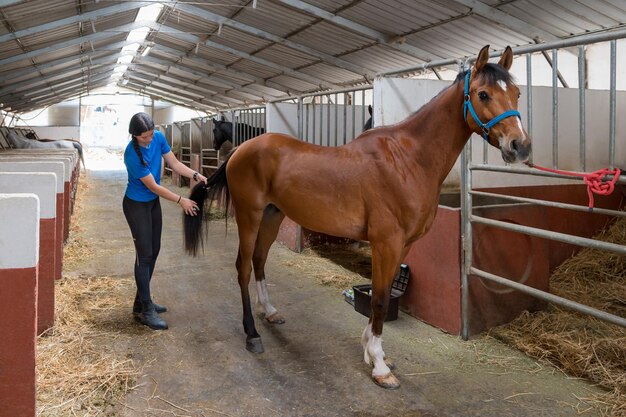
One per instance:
(282, 118)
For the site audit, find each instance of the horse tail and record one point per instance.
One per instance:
(216, 188)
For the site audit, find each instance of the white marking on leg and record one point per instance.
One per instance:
(375, 351)
(263, 298)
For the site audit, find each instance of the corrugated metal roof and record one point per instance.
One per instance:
(208, 55)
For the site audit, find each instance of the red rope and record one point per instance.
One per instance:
(594, 180)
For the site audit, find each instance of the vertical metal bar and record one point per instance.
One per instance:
(485, 151)
(300, 118)
(328, 121)
(353, 111)
(345, 119)
(336, 119)
(313, 133)
(307, 117)
(466, 236)
(555, 110)
(612, 106)
(529, 97)
(582, 87)
(363, 116)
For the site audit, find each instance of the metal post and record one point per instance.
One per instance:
(466, 236)
(555, 110)
(529, 97)
(612, 96)
(582, 87)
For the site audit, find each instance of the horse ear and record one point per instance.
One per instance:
(369, 109)
(223, 119)
(506, 60)
(483, 57)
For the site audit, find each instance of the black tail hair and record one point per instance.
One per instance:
(216, 188)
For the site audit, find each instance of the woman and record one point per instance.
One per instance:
(142, 207)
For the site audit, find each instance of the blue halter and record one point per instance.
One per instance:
(467, 104)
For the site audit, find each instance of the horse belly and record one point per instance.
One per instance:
(336, 214)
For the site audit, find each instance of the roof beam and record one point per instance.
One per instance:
(223, 86)
(175, 92)
(53, 77)
(159, 95)
(67, 96)
(21, 72)
(62, 86)
(58, 93)
(187, 56)
(186, 91)
(338, 62)
(5, 3)
(118, 8)
(284, 70)
(73, 42)
(381, 38)
(506, 20)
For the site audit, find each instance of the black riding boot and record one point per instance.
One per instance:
(137, 306)
(149, 317)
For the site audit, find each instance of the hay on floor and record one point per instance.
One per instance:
(77, 372)
(579, 345)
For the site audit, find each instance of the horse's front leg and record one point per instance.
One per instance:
(386, 258)
(268, 230)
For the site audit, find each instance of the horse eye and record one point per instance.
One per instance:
(483, 96)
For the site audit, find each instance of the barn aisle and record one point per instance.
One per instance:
(313, 363)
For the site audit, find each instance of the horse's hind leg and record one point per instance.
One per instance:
(272, 218)
(248, 225)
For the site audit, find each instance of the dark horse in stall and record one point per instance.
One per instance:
(383, 188)
(368, 123)
(223, 132)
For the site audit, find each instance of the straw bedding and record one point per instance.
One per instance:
(579, 345)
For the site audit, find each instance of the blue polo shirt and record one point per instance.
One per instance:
(135, 189)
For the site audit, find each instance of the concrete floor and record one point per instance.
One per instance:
(312, 365)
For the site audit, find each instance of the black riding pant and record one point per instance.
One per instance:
(145, 221)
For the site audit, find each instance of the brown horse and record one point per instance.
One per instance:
(383, 188)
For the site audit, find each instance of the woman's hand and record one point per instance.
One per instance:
(200, 178)
(190, 207)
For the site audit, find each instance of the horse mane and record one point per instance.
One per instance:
(491, 73)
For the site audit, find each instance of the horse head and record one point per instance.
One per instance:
(222, 132)
(490, 106)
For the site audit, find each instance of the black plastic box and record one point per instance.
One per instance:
(363, 297)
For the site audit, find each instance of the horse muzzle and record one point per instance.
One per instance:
(516, 150)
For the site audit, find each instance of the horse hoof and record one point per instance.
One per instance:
(254, 345)
(275, 319)
(388, 381)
